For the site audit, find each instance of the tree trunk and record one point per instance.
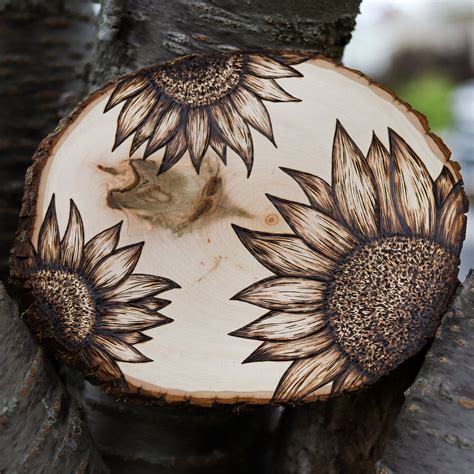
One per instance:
(434, 430)
(44, 46)
(136, 33)
(41, 429)
(149, 438)
(43, 43)
(344, 434)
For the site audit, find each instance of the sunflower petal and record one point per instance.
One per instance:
(138, 286)
(197, 135)
(253, 111)
(130, 318)
(119, 349)
(133, 113)
(29, 258)
(264, 66)
(175, 150)
(49, 248)
(285, 254)
(412, 188)
(307, 346)
(267, 89)
(443, 185)
(132, 337)
(100, 246)
(318, 192)
(291, 294)
(305, 376)
(278, 326)
(318, 230)
(353, 185)
(451, 228)
(73, 240)
(146, 129)
(154, 304)
(167, 126)
(114, 268)
(378, 159)
(218, 146)
(97, 359)
(349, 380)
(126, 89)
(234, 131)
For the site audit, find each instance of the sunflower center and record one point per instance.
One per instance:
(386, 297)
(64, 297)
(201, 80)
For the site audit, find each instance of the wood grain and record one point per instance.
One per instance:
(185, 219)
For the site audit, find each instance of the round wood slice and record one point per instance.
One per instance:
(240, 227)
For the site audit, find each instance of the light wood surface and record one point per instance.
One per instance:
(202, 250)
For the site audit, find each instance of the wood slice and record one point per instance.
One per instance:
(240, 227)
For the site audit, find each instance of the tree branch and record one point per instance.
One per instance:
(344, 434)
(434, 430)
(137, 33)
(41, 429)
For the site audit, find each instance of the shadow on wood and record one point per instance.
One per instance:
(148, 438)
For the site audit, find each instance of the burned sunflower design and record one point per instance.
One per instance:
(200, 101)
(88, 303)
(365, 277)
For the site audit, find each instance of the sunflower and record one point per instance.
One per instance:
(363, 279)
(199, 101)
(87, 302)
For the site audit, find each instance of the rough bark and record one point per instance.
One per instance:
(137, 33)
(44, 45)
(344, 434)
(41, 429)
(434, 432)
(150, 438)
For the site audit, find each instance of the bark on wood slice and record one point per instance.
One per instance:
(240, 227)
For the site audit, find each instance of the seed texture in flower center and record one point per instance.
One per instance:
(201, 81)
(66, 297)
(364, 279)
(387, 295)
(195, 103)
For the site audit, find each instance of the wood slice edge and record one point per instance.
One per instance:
(28, 213)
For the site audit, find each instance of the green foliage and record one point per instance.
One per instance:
(430, 94)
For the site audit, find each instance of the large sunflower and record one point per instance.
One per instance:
(369, 270)
(199, 101)
(87, 302)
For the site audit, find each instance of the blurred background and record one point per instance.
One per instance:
(424, 51)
